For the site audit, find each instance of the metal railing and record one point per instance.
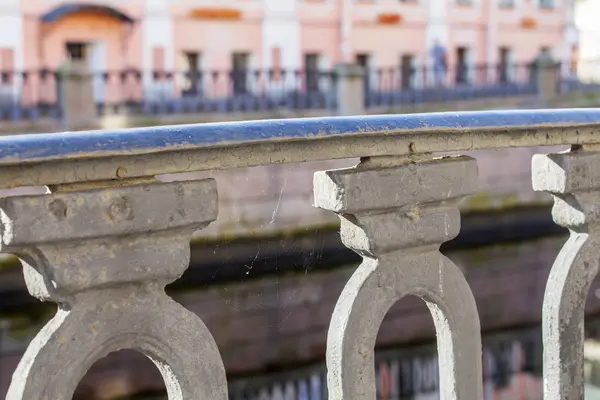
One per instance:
(423, 84)
(110, 234)
(37, 94)
(32, 95)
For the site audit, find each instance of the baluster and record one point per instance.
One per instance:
(396, 215)
(574, 181)
(105, 256)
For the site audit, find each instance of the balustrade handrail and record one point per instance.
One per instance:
(57, 158)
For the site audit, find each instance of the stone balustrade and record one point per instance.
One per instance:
(110, 232)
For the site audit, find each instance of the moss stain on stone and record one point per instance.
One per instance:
(484, 201)
(478, 202)
(9, 262)
(281, 234)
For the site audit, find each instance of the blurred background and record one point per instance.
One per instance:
(265, 277)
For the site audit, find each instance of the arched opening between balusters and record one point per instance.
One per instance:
(124, 374)
(177, 342)
(413, 372)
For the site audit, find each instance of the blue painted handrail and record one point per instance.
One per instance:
(19, 149)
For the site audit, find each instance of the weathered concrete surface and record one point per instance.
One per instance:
(280, 198)
(396, 217)
(121, 212)
(574, 180)
(106, 261)
(134, 154)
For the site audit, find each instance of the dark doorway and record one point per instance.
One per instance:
(364, 61)
(311, 63)
(193, 75)
(76, 51)
(504, 64)
(461, 65)
(241, 64)
(407, 71)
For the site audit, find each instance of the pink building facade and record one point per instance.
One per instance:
(219, 34)
(223, 35)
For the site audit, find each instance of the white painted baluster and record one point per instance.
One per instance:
(574, 180)
(396, 215)
(105, 257)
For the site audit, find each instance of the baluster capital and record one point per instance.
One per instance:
(573, 178)
(105, 256)
(397, 207)
(73, 242)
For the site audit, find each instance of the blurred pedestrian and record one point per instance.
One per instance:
(440, 65)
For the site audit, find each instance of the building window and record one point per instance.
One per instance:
(193, 75)
(364, 60)
(407, 71)
(76, 51)
(506, 3)
(462, 67)
(311, 64)
(505, 64)
(464, 2)
(240, 66)
(547, 4)
(192, 61)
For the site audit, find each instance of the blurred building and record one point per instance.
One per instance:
(586, 19)
(292, 34)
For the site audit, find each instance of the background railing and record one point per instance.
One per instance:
(208, 91)
(413, 85)
(31, 95)
(34, 94)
